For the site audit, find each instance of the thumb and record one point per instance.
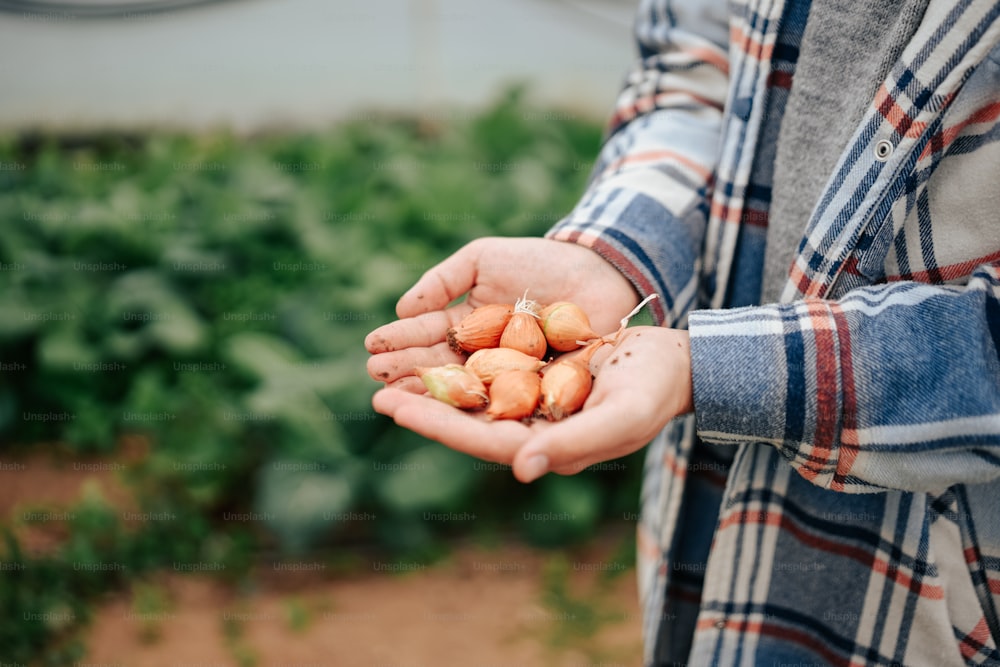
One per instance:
(442, 283)
(531, 461)
(599, 432)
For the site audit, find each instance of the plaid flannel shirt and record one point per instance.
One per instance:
(835, 498)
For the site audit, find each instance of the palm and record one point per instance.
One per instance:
(641, 383)
(553, 271)
(493, 271)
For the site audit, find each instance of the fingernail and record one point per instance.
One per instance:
(534, 467)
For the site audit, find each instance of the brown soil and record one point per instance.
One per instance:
(481, 608)
(478, 608)
(35, 491)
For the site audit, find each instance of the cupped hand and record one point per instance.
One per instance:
(493, 270)
(641, 384)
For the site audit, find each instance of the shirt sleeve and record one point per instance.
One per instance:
(891, 387)
(645, 209)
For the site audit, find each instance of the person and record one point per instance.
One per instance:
(812, 190)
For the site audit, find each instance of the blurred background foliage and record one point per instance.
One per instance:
(206, 296)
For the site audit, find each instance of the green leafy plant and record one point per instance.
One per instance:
(208, 295)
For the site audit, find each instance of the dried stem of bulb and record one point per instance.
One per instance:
(526, 305)
(522, 332)
(614, 338)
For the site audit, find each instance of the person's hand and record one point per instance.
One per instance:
(640, 385)
(493, 270)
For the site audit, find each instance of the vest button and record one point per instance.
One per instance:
(883, 149)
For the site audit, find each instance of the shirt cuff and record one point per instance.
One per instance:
(752, 380)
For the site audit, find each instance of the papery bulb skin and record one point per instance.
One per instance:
(480, 329)
(455, 385)
(565, 386)
(523, 334)
(514, 395)
(565, 326)
(488, 364)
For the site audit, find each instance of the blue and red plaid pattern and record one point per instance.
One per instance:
(835, 499)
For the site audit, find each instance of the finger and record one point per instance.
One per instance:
(419, 331)
(600, 432)
(410, 383)
(469, 433)
(391, 366)
(442, 284)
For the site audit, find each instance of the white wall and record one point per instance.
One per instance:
(253, 64)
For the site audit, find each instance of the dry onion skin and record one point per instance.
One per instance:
(455, 385)
(505, 373)
(514, 395)
(566, 326)
(524, 332)
(480, 329)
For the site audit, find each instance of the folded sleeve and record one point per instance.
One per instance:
(646, 206)
(895, 386)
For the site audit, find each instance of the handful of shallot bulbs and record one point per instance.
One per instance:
(505, 372)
